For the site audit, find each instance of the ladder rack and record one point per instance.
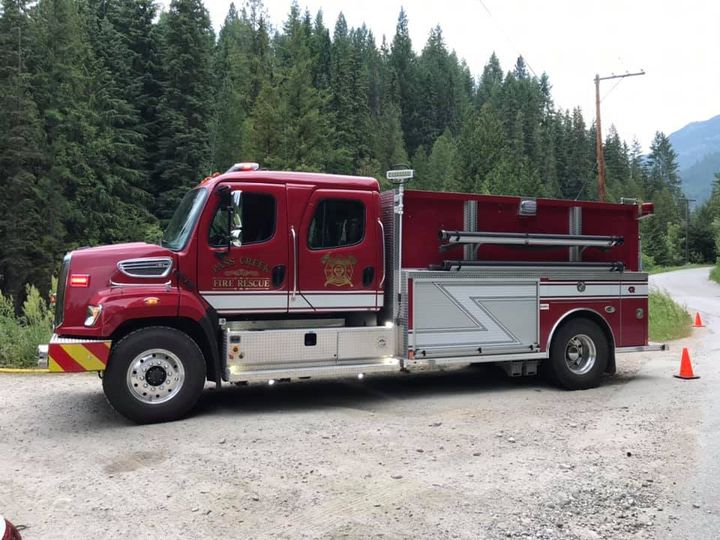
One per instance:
(456, 238)
(458, 265)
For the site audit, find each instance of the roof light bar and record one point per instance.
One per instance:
(243, 166)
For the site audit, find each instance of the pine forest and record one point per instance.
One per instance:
(111, 109)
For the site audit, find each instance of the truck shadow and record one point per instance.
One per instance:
(375, 391)
(86, 412)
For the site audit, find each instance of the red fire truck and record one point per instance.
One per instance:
(271, 276)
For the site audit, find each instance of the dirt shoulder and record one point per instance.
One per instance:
(461, 454)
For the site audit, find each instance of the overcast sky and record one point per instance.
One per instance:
(676, 43)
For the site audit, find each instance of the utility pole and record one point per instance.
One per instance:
(687, 228)
(598, 130)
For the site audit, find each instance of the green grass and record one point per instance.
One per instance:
(715, 273)
(662, 269)
(668, 319)
(20, 335)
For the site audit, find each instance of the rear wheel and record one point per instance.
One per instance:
(154, 375)
(578, 355)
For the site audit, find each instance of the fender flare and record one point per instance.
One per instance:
(594, 316)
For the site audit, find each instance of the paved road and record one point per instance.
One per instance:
(462, 454)
(692, 288)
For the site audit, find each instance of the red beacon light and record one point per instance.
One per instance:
(647, 209)
(244, 166)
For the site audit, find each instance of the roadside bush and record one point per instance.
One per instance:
(668, 319)
(20, 335)
(648, 263)
(715, 273)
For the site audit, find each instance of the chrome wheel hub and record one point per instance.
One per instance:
(155, 376)
(580, 354)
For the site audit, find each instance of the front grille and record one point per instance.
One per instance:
(61, 286)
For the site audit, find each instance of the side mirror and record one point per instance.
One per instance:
(235, 219)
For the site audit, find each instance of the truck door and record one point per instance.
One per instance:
(339, 253)
(243, 267)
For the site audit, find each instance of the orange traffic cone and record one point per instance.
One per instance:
(686, 370)
(698, 321)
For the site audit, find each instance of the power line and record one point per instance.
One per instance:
(507, 37)
(610, 91)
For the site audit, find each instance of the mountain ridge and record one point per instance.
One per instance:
(698, 148)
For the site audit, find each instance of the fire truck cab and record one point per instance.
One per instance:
(269, 276)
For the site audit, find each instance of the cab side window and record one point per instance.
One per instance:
(337, 223)
(255, 217)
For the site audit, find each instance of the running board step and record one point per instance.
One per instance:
(234, 374)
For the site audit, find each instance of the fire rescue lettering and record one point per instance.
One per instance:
(338, 270)
(241, 283)
(247, 261)
(241, 278)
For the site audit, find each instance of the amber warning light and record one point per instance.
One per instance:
(80, 280)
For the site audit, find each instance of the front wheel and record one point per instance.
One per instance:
(154, 375)
(578, 355)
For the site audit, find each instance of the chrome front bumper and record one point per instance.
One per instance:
(43, 356)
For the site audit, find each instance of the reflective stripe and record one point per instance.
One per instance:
(76, 357)
(571, 291)
(245, 301)
(273, 301)
(641, 289)
(340, 300)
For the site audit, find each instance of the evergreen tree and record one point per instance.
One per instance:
(230, 130)
(29, 232)
(137, 73)
(292, 129)
(482, 146)
(490, 85)
(321, 51)
(617, 167)
(442, 93)
(118, 147)
(441, 164)
(76, 109)
(662, 166)
(404, 77)
(349, 105)
(184, 110)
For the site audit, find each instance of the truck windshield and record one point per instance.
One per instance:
(183, 221)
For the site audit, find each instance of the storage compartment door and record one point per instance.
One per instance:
(465, 317)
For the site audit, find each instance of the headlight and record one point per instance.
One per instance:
(92, 314)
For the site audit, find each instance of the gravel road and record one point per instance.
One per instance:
(466, 453)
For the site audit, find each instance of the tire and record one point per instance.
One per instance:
(578, 355)
(154, 375)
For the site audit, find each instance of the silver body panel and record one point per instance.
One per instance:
(473, 316)
(285, 353)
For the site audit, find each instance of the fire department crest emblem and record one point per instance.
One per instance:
(338, 270)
